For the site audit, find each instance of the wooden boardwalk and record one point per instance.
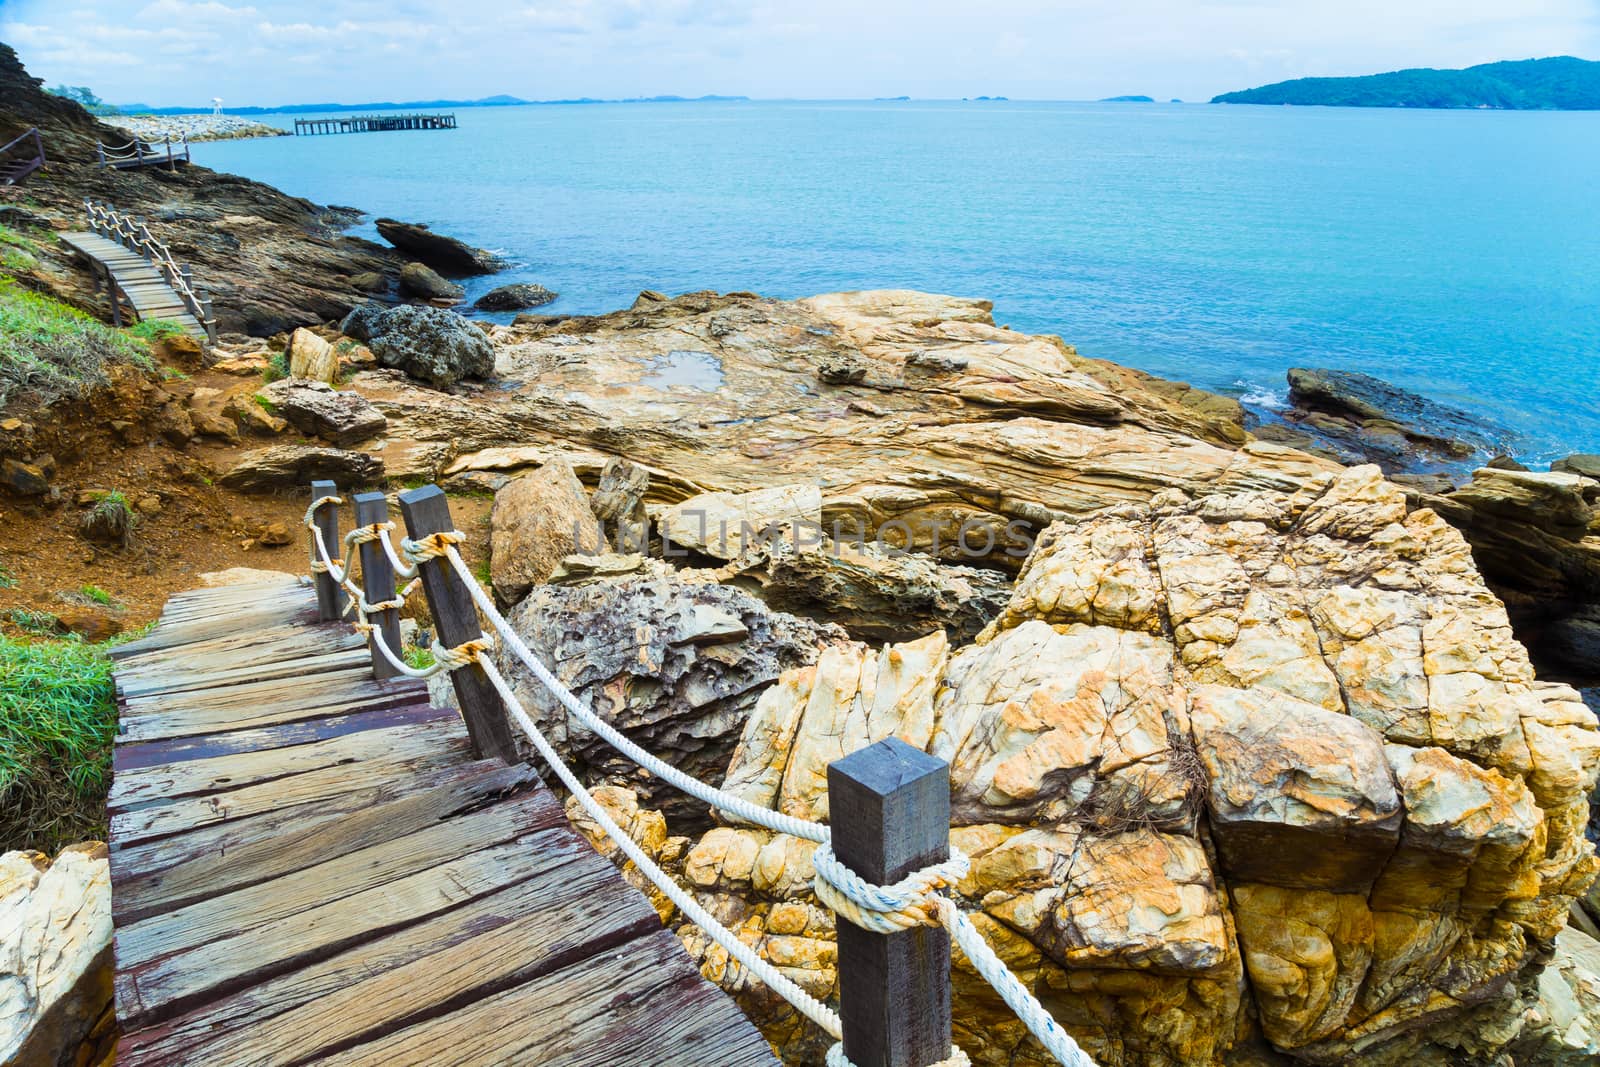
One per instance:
(307, 866)
(135, 277)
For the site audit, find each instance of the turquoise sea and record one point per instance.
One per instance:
(1455, 253)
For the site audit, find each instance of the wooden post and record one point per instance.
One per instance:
(331, 597)
(455, 621)
(377, 582)
(889, 806)
(116, 300)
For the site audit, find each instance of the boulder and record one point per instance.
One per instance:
(1563, 1024)
(514, 298)
(341, 417)
(879, 595)
(92, 622)
(725, 525)
(23, 479)
(248, 414)
(309, 356)
(674, 664)
(437, 250)
(369, 282)
(431, 344)
(537, 520)
(1582, 463)
(55, 952)
(619, 498)
(423, 282)
(295, 466)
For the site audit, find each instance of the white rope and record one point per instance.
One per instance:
(804, 1002)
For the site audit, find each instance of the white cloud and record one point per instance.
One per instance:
(277, 51)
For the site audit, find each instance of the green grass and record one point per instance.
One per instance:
(7, 579)
(39, 623)
(111, 519)
(155, 329)
(96, 594)
(49, 350)
(265, 405)
(57, 719)
(419, 659)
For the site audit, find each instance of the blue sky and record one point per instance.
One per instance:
(165, 52)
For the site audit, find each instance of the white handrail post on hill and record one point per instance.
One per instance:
(377, 585)
(889, 808)
(330, 596)
(455, 620)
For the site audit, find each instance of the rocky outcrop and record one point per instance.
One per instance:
(675, 664)
(340, 417)
(436, 250)
(877, 594)
(1359, 418)
(514, 298)
(1536, 538)
(539, 519)
(55, 957)
(1257, 762)
(727, 525)
(423, 282)
(432, 345)
(294, 466)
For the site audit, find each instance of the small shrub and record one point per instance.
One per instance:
(96, 595)
(110, 520)
(57, 719)
(265, 405)
(416, 658)
(7, 579)
(277, 368)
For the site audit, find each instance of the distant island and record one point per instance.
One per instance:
(414, 105)
(1561, 83)
(1128, 100)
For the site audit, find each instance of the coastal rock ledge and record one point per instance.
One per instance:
(1235, 770)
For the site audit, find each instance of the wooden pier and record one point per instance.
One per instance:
(309, 866)
(373, 124)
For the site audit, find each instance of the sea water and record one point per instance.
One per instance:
(1454, 253)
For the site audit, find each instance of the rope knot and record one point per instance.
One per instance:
(365, 535)
(433, 546)
(884, 909)
(463, 655)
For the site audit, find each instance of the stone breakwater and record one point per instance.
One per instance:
(196, 127)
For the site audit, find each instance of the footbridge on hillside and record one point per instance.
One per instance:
(133, 266)
(313, 862)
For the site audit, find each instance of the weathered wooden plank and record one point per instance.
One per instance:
(211, 860)
(264, 672)
(232, 720)
(230, 914)
(165, 820)
(569, 909)
(228, 651)
(236, 770)
(644, 1007)
(163, 987)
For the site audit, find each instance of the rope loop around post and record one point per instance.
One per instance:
(434, 546)
(884, 909)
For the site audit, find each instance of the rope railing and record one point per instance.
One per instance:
(135, 236)
(913, 902)
(144, 152)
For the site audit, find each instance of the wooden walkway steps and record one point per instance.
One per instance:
(145, 288)
(307, 866)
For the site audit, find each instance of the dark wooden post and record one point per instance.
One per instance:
(331, 597)
(377, 582)
(455, 621)
(889, 807)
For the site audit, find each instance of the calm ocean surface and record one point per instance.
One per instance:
(1454, 253)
